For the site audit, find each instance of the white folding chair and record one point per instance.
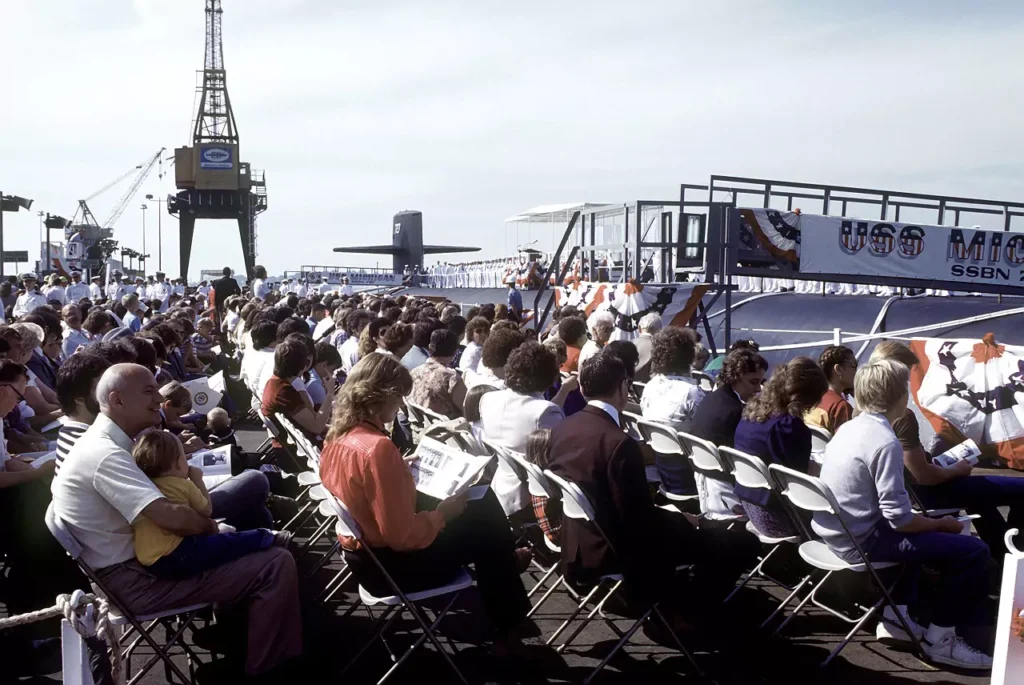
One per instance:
(812, 495)
(576, 505)
(397, 604)
(540, 486)
(704, 381)
(417, 421)
(820, 437)
(430, 417)
(714, 481)
(749, 471)
(132, 623)
(664, 441)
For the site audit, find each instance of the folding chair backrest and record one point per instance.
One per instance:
(62, 534)
(805, 492)
(704, 381)
(415, 414)
(505, 456)
(450, 437)
(819, 437)
(631, 425)
(431, 417)
(346, 524)
(575, 504)
(703, 455)
(537, 482)
(661, 438)
(747, 470)
(636, 389)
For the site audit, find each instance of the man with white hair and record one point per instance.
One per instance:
(649, 324)
(863, 468)
(54, 291)
(101, 492)
(600, 324)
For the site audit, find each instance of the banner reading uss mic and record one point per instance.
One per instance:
(834, 245)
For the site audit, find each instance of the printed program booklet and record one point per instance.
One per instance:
(442, 471)
(215, 464)
(966, 450)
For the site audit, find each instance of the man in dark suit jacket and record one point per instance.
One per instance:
(223, 288)
(647, 543)
(719, 413)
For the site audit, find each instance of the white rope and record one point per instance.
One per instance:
(902, 333)
(88, 615)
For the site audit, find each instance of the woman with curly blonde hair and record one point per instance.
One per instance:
(773, 429)
(424, 548)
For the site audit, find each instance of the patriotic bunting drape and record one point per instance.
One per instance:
(776, 232)
(973, 389)
(629, 302)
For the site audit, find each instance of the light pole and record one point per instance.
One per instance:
(43, 269)
(144, 208)
(159, 230)
(9, 203)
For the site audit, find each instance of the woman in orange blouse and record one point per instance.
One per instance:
(420, 549)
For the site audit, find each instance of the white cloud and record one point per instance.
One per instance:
(472, 112)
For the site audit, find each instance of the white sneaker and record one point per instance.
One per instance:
(892, 633)
(953, 651)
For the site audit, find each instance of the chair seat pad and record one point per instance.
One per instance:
(307, 478)
(767, 540)
(817, 554)
(118, 620)
(461, 582)
(318, 493)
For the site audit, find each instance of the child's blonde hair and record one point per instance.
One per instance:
(156, 452)
(218, 418)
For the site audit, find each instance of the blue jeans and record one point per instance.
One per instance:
(961, 560)
(198, 553)
(242, 501)
(981, 495)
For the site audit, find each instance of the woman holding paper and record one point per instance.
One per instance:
(419, 547)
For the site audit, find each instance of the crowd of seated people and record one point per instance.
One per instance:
(342, 367)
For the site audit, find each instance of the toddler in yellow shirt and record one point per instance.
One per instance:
(160, 456)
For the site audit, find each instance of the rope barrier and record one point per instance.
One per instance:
(88, 615)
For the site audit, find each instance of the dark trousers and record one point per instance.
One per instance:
(242, 501)
(198, 553)
(719, 555)
(481, 537)
(981, 495)
(961, 561)
(38, 568)
(676, 474)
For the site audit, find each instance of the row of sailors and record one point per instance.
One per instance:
(493, 273)
(59, 290)
(261, 287)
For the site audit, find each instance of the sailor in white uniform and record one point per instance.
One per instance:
(55, 291)
(324, 286)
(115, 290)
(30, 299)
(77, 290)
(95, 292)
(161, 291)
(346, 288)
(260, 289)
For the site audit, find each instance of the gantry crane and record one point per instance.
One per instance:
(213, 183)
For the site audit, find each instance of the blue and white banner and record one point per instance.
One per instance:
(855, 247)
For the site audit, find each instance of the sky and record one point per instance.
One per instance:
(472, 112)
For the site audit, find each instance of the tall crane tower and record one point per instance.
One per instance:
(212, 181)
